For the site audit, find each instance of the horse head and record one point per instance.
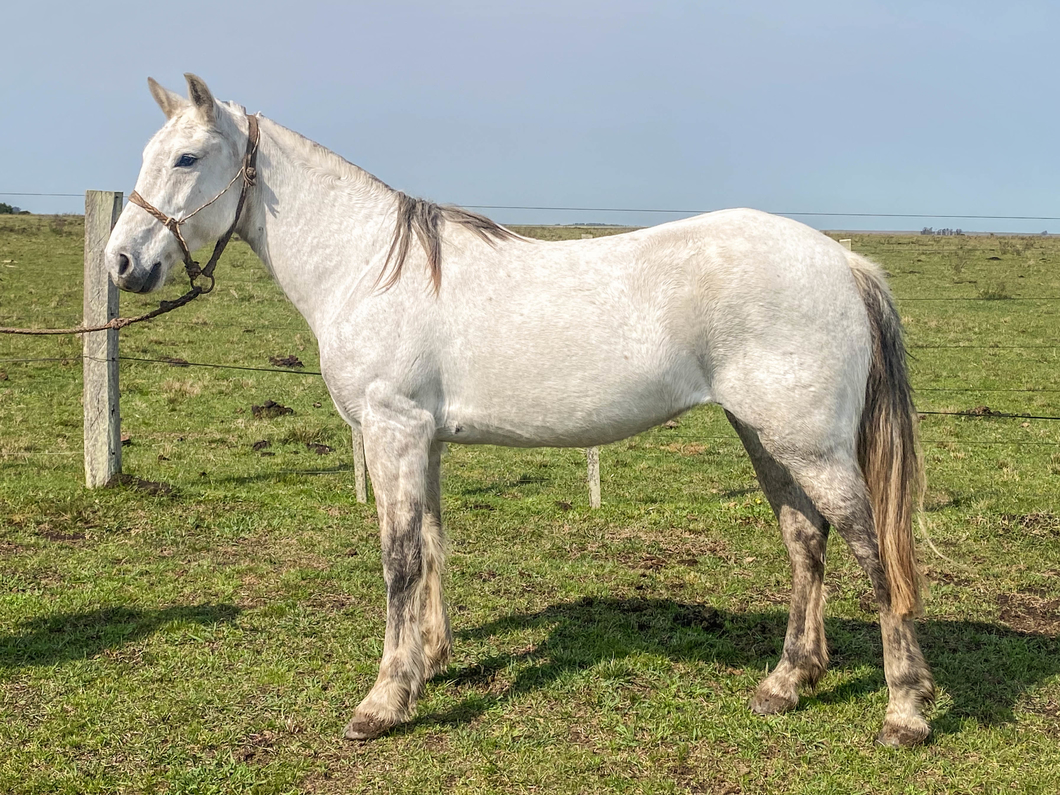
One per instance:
(182, 190)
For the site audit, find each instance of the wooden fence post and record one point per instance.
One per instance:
(845, 243)
(102, 418)
(592, 455)
(360, 468)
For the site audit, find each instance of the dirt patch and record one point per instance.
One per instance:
(1049, 708)
(1028, 612)
(436, 743)
(319, 449)
(285, 361)
(651, 563)
(580, 736)
(1044, 524)
(331, 602)
(680, 547)
(155, 487)
(270, 409)
(702, 617)
(700, 771)
(768, 596)
(46, 532)
(483, 680)
(947, 578)
(257, 748)
(690, 449)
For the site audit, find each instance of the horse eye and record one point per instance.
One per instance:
(187, 160)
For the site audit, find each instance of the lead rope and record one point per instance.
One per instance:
(249, 174)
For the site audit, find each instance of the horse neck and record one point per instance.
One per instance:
(320, 225)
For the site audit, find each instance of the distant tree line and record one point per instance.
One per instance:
(7, 209)
(927, 230)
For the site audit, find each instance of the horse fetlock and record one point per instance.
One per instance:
(437, 638)
(437, 655)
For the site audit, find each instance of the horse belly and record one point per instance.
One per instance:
(527, 403)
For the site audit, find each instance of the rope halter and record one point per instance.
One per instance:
(248, 173)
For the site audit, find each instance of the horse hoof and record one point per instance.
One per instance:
(366, 727)
(770, 703)
(904, 734)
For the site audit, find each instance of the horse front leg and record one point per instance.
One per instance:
(398, 450)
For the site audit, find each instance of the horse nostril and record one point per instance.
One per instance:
(123, 264)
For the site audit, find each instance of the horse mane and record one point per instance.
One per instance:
(425, 220)
(417, 218)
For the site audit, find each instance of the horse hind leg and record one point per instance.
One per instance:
(837, 488)
(805, 533)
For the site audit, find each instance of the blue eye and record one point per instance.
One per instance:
(186, 161)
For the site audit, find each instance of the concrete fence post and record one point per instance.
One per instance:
(102, 416)
(592, 455)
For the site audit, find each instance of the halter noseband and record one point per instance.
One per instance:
(249, 174)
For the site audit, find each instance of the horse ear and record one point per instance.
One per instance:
(169, 101)
(201, 98)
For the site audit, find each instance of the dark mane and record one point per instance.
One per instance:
(425, 220)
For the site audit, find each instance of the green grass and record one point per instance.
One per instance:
(217, 639)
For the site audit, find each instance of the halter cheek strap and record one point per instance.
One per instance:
(249, 174)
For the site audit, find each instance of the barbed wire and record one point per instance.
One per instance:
(683, 211)
(675, 211)
(182, 363)
(985, 347)
(1000, 301)
(64, 195)
(984, 389)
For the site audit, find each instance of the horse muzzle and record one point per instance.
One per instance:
(130, 275)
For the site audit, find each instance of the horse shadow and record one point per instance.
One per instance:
(63, 637)
(984, 669)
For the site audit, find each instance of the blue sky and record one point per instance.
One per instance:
(856, 107)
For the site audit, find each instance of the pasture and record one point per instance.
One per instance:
(211, 627)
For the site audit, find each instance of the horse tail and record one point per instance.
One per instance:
(887, 444)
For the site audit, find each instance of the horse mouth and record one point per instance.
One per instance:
(153, 280)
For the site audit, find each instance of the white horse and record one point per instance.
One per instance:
(437, 325)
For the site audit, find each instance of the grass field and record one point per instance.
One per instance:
(215, 638)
